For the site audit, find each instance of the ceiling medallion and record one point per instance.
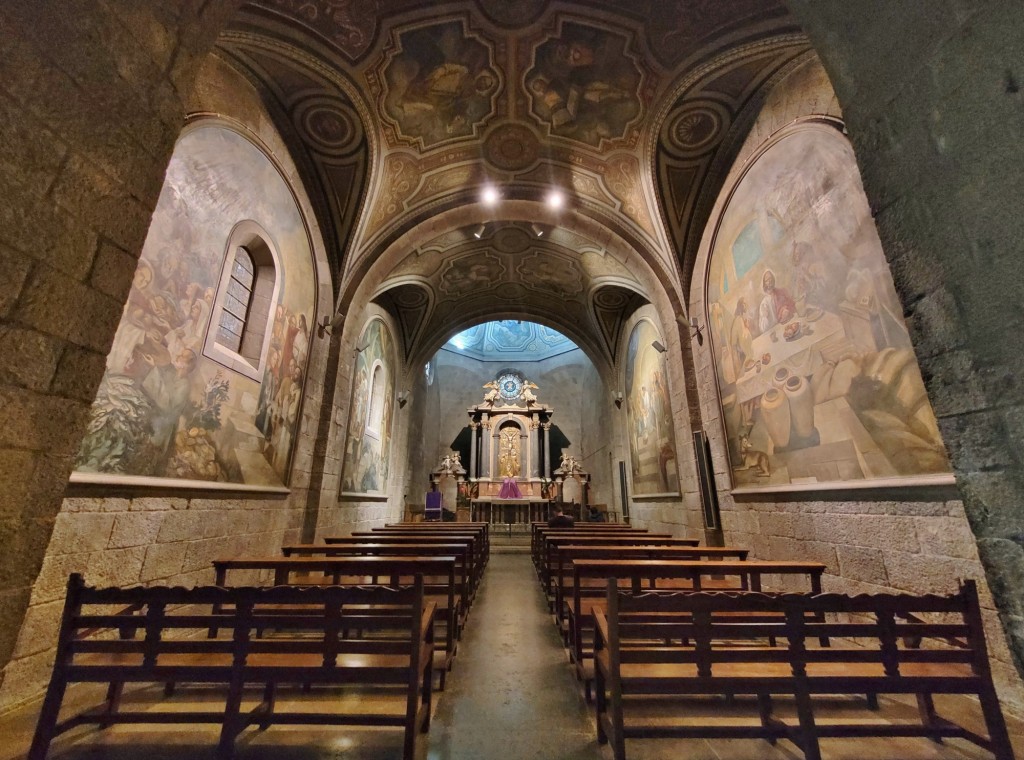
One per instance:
(696, 128)
(512, 147)
(332, 129)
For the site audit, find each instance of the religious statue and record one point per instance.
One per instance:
(452, 463)
(492, 394)
(527, 394)
(508, 459)
(569, 464)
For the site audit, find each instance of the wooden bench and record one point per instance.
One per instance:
(481, 529)
(438, 573)
(481, 543)
(554, 541)
(638, 575)
(566, 554)
(878, 651)
(160, 637)
(461, 552)
(541, 539)
(469, 543)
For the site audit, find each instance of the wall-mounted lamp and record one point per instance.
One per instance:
(617, 398)
(659, 346)
(697, 330)
(403, 398)
(537, 229)
(327, 326)
(479, 231)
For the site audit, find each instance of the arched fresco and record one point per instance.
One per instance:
(168, 406)
(652, 445)
(818, 380)
(368, 448)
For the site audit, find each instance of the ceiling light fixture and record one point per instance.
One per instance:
(490, 195)
(479, 231)
(555, 199)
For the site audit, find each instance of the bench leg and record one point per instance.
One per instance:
(233, 723)
(269, 700)
(764, 709)
(600, 705)
(808, 730)
(114, 691)
(46, 727)
(997, 733)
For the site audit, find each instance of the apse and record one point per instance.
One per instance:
(511, 397)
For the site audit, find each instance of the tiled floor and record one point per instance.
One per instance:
(511, 696)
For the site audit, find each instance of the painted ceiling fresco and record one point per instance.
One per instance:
(565, 278)
(511, 340)
(633, 110)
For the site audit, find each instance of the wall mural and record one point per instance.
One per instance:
(584, 85)
(440, 84)
(368, 449)
(818, 380)
(163, 408)
(652, 442)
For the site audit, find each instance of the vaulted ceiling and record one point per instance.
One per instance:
(400, 112)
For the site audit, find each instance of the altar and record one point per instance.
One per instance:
(509, 479)
(510, 438)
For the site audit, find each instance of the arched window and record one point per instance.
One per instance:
(234, 317)
(245, 301)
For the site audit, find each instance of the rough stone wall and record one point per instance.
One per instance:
(902, 541)
(91, 101)
(933, 104)
(125, 541)
(133, 538)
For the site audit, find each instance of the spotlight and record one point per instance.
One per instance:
(490, 195)
(478, 232)
(555, 199)
(659, 346)
(537, 229)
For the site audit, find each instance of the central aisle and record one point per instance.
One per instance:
(512, 694)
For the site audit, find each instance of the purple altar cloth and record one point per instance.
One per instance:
(510, 490)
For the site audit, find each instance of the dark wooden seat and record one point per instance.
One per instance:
(160, 635)
(356, 548)
(700, 647)
(560, 594)
(590, 577)
(438, 573)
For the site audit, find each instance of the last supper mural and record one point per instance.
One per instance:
(818, 380)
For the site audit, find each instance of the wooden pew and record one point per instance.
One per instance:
(481, 544)
(552, 541)
(438, 573)
(469, 543)
(482, 529)
(566, 554)
(394, 534)
(538, 546)
(149, 642)
(461, 552)
(638, 575)
(878, 652)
